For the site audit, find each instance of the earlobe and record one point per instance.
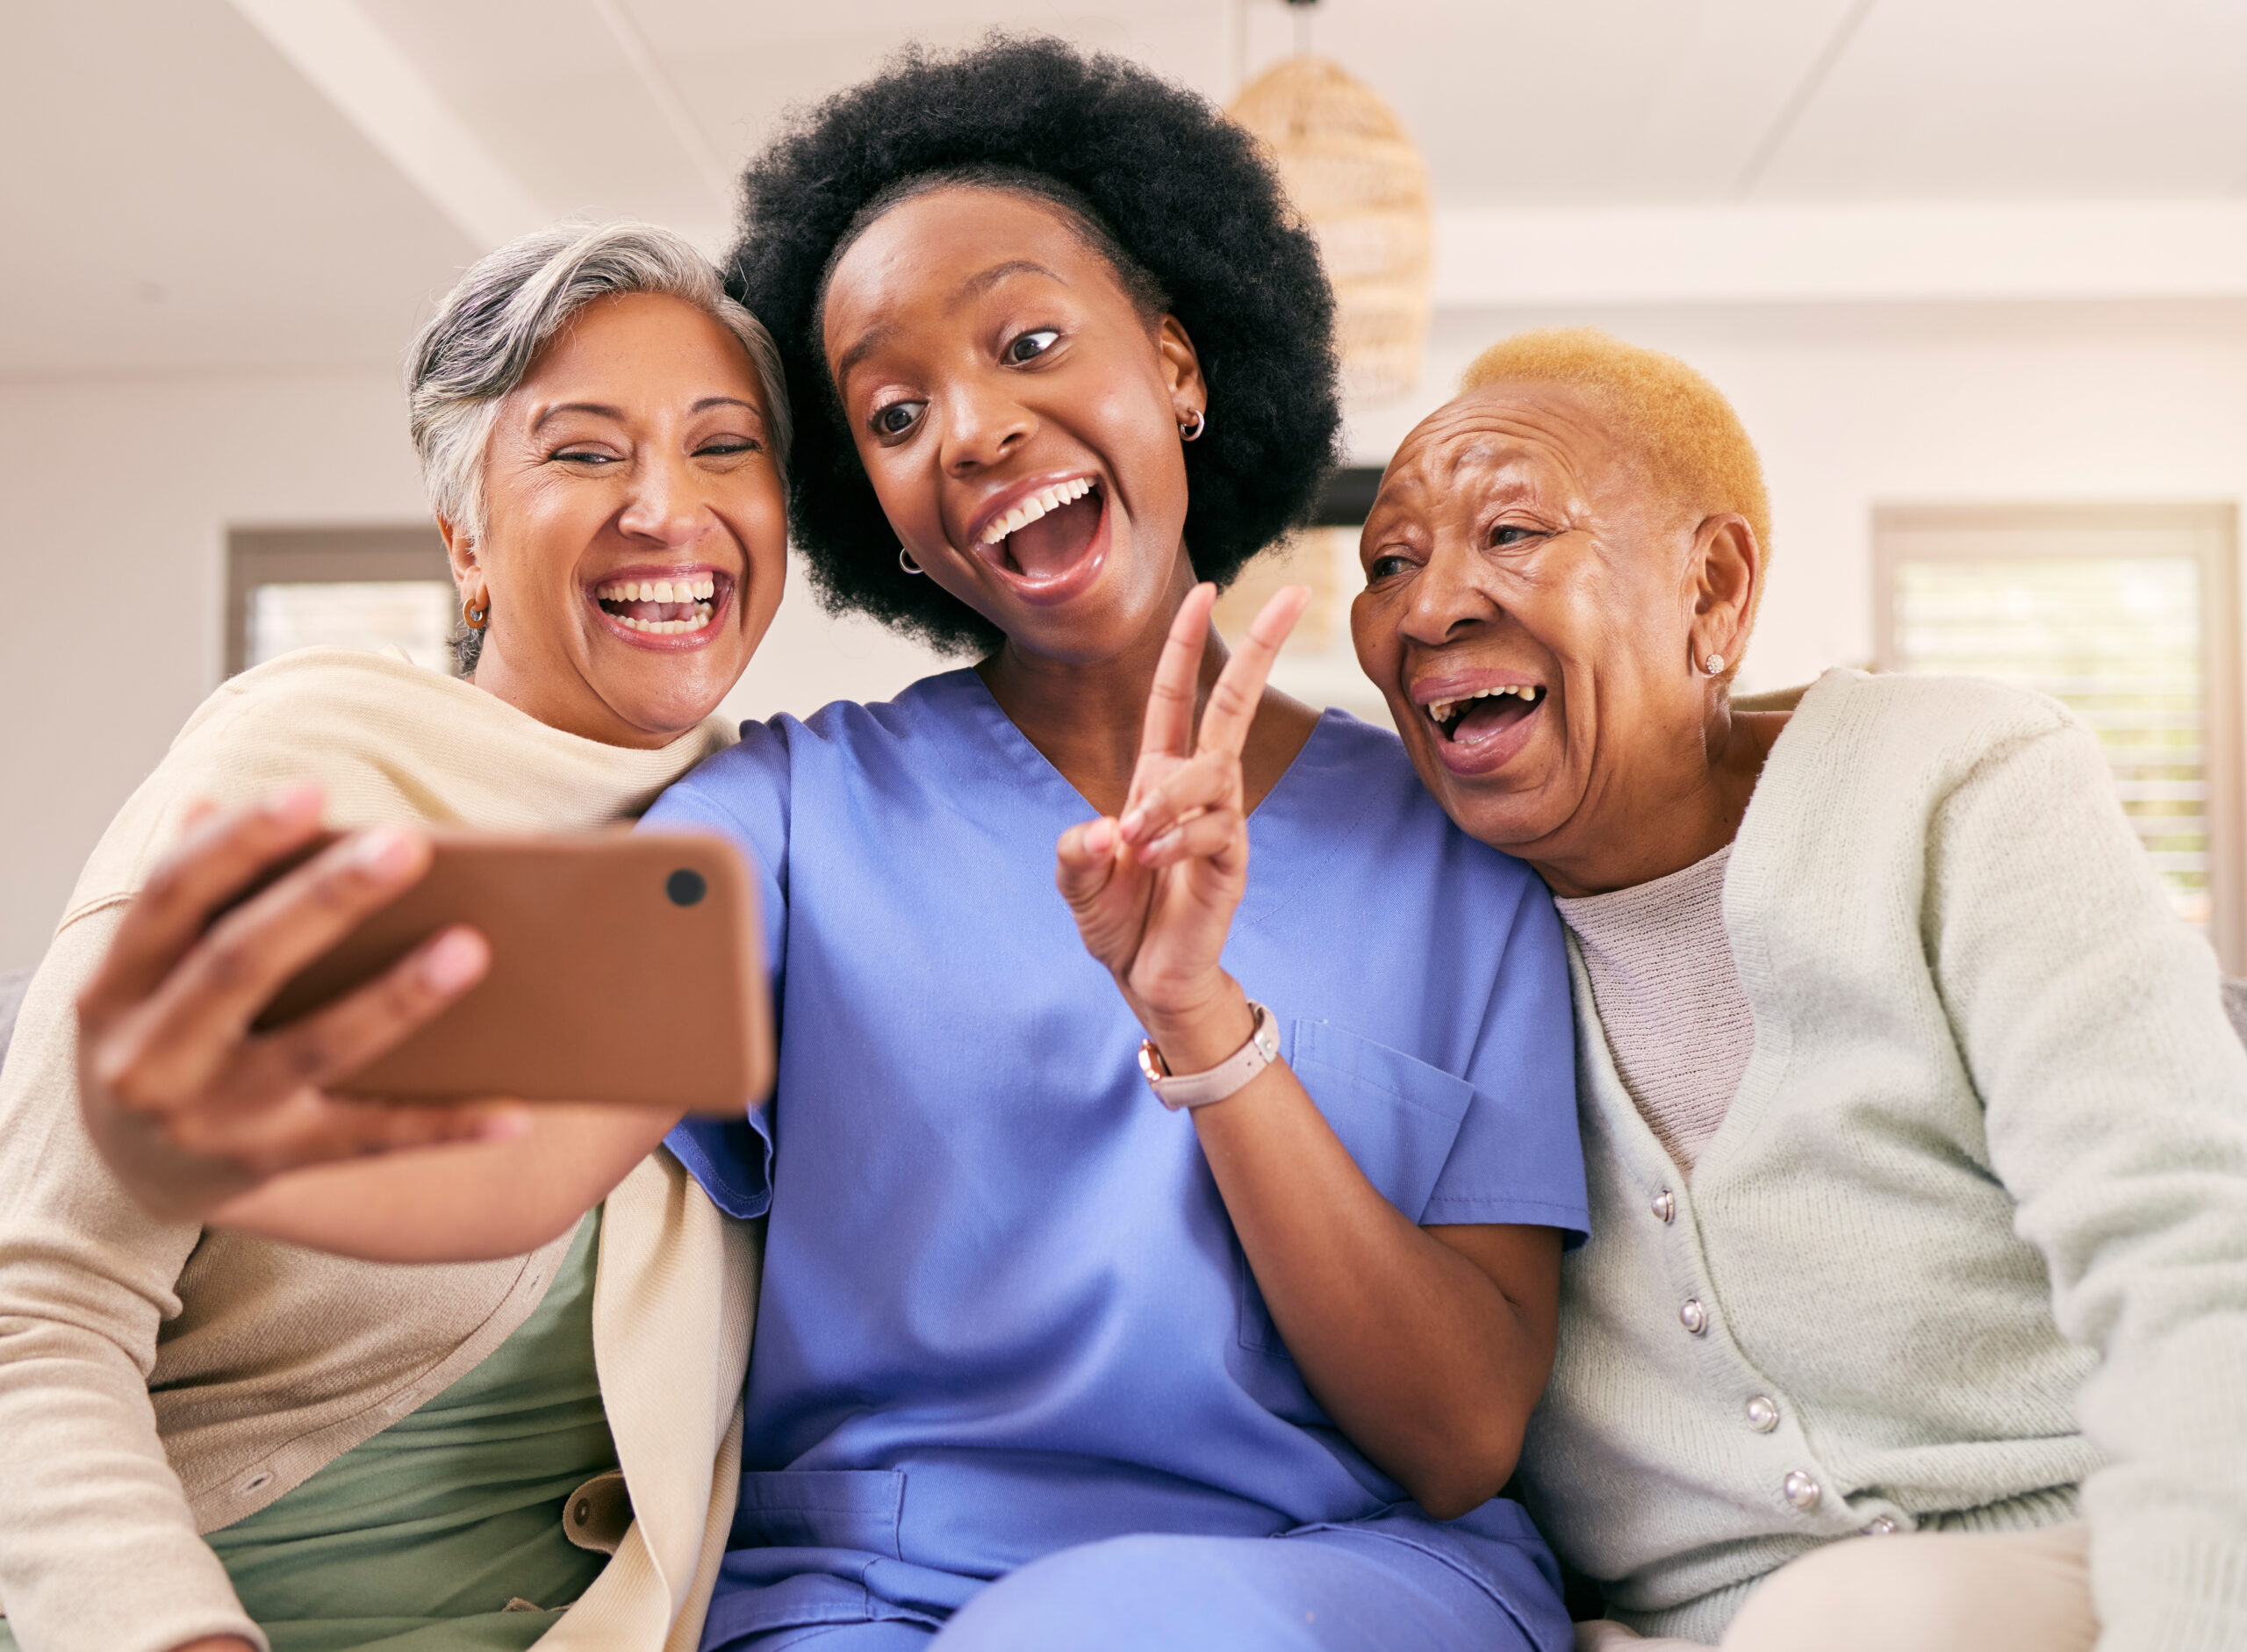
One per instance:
(1728, 566)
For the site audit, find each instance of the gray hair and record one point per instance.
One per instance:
(509, 307)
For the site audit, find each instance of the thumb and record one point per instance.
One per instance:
(1085, 861)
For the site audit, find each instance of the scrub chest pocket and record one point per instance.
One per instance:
(1396, 1115)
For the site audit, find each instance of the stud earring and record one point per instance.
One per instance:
(1713, 665)
(476, 615)
(1193, 432)
(905, 561)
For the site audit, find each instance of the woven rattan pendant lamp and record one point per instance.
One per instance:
(1360, 182)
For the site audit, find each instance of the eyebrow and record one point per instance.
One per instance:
(749, 407)
(974, 287)
(602, 410)
(872, 339)
(598, 409)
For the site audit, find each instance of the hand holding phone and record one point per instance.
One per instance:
(196, 1090)
(626, 966)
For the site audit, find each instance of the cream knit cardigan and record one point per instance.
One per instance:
(158, 1381)
(1976, 1222)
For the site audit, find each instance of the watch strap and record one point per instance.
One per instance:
(1175, 1090)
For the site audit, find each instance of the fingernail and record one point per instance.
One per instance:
(384, 849)
(295, 803)
(511, 1125)
(1133, 823)
(1099, 838)
(457, 959)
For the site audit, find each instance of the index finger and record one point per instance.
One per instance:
(218, 857)
(1168, 730)
(1241, 686)
(214, 993)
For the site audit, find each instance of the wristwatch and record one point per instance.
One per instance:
(1175, 1090)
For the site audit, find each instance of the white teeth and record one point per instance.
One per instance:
(1036, 505)
(667, 627)
(700, 588)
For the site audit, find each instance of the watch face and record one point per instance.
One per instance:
(1150, 1067)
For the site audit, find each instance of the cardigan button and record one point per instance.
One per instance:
(1693, 1316)
(1801, 1491)
(1762, 1414)
(1882, 1527)
(1665, 1206)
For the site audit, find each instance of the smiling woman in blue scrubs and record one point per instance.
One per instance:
(1020, 1321)
(1004, 1311)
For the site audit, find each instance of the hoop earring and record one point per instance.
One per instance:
(1193, 432)
(1713, 665)
(475, 618)
(905, 561)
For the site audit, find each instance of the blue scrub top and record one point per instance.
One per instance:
(1003, 1311)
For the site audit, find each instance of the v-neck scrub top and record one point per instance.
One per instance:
(1003, 1311)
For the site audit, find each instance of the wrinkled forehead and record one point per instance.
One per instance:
(632, 350)
(1546, 441)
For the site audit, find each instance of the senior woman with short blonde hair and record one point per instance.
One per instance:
(1914, 1313)
(215, 1442)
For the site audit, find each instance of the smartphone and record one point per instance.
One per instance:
(626, 966)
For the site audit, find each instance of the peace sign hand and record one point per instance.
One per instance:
(1155, 892)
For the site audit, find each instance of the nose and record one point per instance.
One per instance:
(667, 506)
(983, 424)
(1447, 597)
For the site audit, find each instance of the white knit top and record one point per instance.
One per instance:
(1669, 997)
(1968, 1250)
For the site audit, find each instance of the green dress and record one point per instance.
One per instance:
(417, 1540)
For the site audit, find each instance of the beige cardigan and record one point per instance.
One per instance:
(1969, 1251)
(158, 1381)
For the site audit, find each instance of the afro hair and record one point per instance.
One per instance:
(1181, 192)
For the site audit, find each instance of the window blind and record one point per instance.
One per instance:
(2116, 638)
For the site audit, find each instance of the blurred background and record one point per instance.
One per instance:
(1975, 272)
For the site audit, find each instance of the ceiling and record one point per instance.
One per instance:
(1514, 101)
(178, 196)
(185, 195)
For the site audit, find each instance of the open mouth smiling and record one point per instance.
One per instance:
(1047, 539)
(668, 605)
(1472, 718)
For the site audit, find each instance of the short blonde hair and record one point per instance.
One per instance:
(1685, 430)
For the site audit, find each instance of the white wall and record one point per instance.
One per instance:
(113, 522)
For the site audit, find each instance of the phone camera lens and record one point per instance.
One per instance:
(685, 887)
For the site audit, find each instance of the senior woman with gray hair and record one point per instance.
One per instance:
(213, 1441)
(1914, 1313)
